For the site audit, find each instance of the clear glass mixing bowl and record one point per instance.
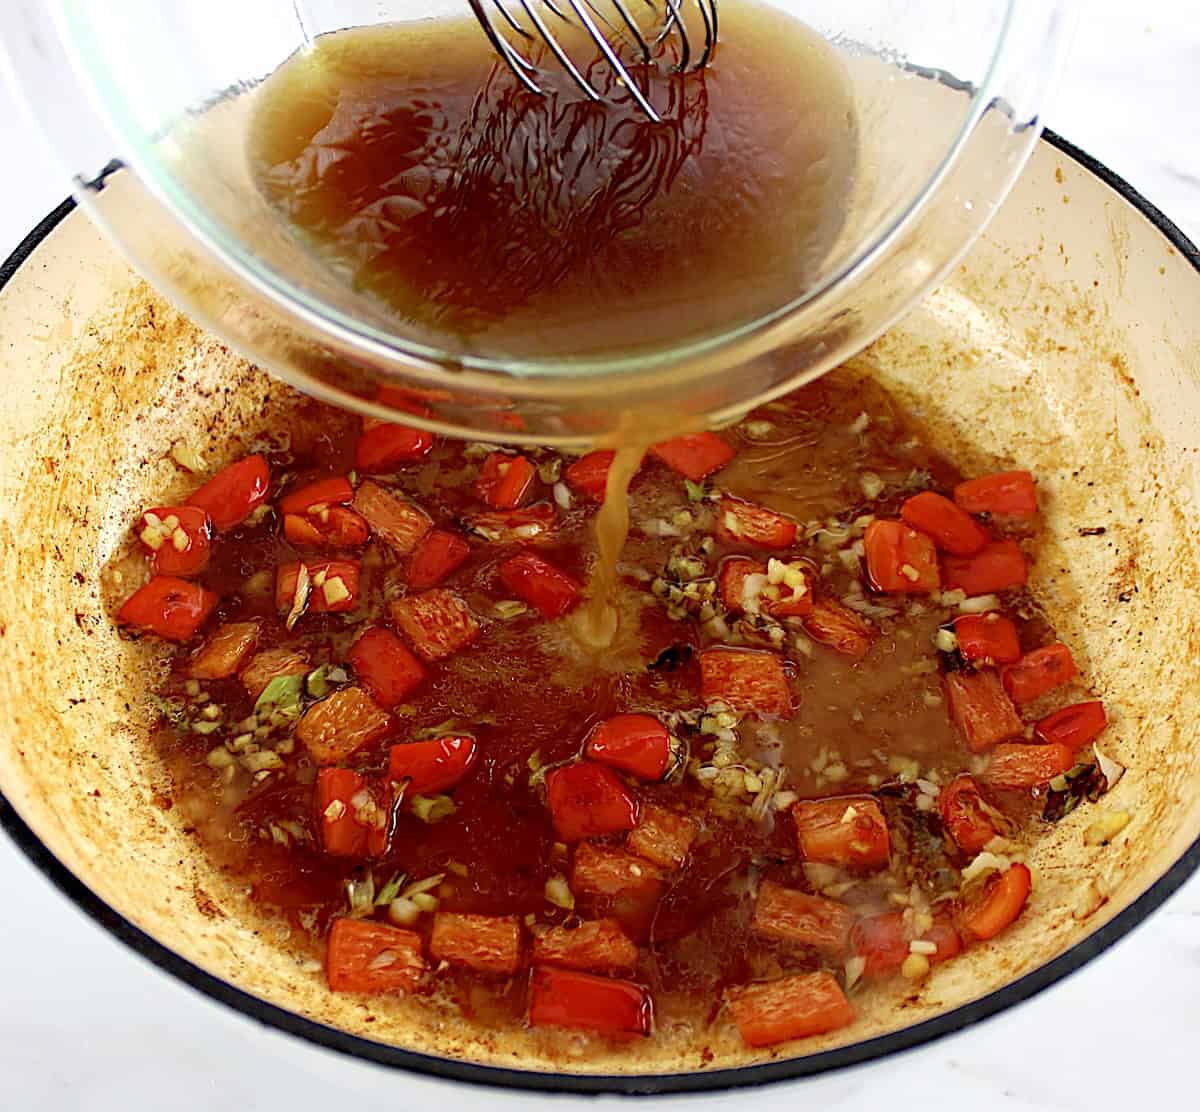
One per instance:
(948, 97)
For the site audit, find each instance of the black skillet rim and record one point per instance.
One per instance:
(354, 1046)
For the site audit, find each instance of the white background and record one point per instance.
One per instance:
(85, 1024)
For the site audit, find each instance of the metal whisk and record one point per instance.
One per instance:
(587, 15)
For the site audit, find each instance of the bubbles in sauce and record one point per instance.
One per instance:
(415, 163)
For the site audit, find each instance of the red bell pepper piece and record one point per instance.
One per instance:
(352, 822)
(566, 998)
(538, 582)
(847, 830)
(748, 679)
(998, 905)
(372, 957)
(171, 608)
(385, 667)
(1016, 766)
(589, 474)
(900, 559)
(791, 916)
(838, 627)
(234, 493)
(333, 586)
(1004, 494)
(696, 456)
(635, 743)
(437, 622)
(980, 709)
(964, 815)
(618, 884)
(432, 766)
(1038, 672)
(384, 447)
(742, 522)
(488, 944)
(439, 554)
(998, 566)
(880, 940)
(792, 1007)
(334, 491)
(987, 638)
(225, 651)
(179, 539)
(588, 800)
(332, 527)
(530, 525)
(505, 480)
(1073, 726)
(731, 580)
(951, 527)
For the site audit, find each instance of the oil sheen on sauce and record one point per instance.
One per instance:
(413, 162)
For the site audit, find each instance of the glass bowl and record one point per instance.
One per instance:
(948, 99)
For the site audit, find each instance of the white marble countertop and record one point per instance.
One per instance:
(89, 1025)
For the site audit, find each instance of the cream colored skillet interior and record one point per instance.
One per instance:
(1068, 342)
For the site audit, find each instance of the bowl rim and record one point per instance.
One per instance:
(355, 1046)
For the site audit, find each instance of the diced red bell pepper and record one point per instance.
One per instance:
(900, 559)
(794, 1007)
(170, 608)
(1038, 672)
(742, 522)
(696, 456)
(352, 822)
(838, 627)
(385, 667)
(566, 998)
(1073, 726)
(432, 766)
(1004, 494)
(402, 524)
(588, 800)
(179, 537)
(411, 399)
(987, 638)
(223, 653)
(980, 709)
(551, 592)
(598, 944)
(363, 956)
(439, 554)
(234, 493)
(333, 586)
(999, 566)
(847, 830)
(484, 943)
(731, 580)
(635, 743)
(944, 935)
(437, 622)
(612, 882)
(791, 916)
(663, 837)
(589, 474)
(749, 679)
(332, 527)
(334, 491)
(998, 905)
(526, 526)
(951, 527)
(384, 447)
(1016, 766)
(881, 941)
(505, 480)
(964, 815)
(342, 723)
